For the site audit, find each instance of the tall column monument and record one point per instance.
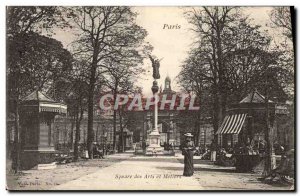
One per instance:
(154, 137)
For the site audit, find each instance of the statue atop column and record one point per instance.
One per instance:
(155, 66)
(154, 136)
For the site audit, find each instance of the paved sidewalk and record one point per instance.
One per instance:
(136, 173)
(47, 179)
(165, 173)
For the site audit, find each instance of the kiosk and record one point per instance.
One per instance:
(37, 114)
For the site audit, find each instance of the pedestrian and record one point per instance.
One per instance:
(171, 147)
(95, 149)
(104, 150)
(213, 150)
(144, 146)
(154, 152)
(188, 152)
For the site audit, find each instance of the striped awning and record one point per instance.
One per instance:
(53, 107)
(232, 124)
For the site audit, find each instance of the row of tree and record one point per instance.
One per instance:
(106, 56)
(233, 56)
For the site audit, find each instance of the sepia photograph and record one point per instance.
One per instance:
(150, 98)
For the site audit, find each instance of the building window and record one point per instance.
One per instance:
(167, 85)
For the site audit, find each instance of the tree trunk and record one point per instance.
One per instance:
(268, 157)
(115, 120)
(90, 134)
(121, 142)
(71, 133)
(221, 72)
(215, 115)
(77, 135)
(114, 129)
(198, 127)
(16, 162)
(204, 138)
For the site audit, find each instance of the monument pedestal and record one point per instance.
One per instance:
(154, 147)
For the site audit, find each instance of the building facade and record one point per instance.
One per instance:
(138, 126)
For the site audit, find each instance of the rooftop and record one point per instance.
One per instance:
(254, 97)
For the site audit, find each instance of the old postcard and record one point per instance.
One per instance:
(150, 98)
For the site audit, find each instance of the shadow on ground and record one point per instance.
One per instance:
(153, 159)
(199, 169)
(275, 182)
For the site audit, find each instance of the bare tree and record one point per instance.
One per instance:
(281, 18)
(120, 79)
(232, 56)
(211, 25)
(104, 32)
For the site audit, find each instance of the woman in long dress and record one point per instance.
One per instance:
(188, 152)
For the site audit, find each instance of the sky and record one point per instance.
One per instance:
(170, 45)
(173, 44)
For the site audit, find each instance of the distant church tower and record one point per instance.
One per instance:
(167, 88)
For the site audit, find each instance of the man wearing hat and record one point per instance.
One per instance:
(188, 152)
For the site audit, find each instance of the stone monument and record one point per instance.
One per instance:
(154, 147)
